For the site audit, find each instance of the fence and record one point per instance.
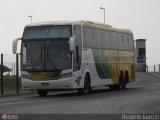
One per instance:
(153, 68)
(10, 74)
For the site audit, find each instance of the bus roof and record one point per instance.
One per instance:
(82, 22)
(48, 23)
(105, 27)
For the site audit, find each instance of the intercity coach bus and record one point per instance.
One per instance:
(75, 55)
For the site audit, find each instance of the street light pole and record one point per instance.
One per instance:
(104, 13)
(30, 17)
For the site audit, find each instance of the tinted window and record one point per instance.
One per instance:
(105, 39)
(96, 38)
(47, 32)
(120, 42)
(87, 37)
(113, 39)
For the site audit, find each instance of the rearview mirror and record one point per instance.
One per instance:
(14, 46)
(72, 43)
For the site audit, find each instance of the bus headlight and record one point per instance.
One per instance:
(25, 77)
(65, 75)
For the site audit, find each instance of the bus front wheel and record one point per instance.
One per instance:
(87, 86)
(42, 93)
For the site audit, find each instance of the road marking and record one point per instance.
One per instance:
(33, 101)
(3, 100)
(149, 85)
(13, 103)
(155, 74)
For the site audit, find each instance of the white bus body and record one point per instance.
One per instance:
(75, 55)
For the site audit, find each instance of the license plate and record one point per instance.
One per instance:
(44, 84)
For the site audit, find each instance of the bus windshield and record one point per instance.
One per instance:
(47, 50)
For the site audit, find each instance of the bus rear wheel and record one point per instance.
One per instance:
(123, 79)
(42, 93)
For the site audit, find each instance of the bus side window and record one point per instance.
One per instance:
(112, 37)
(125, 42)
(131, 42)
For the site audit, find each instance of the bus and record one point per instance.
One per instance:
(65, 55)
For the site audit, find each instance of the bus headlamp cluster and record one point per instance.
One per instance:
(25, 76)
(65, 75)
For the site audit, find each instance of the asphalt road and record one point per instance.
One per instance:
(140, 97)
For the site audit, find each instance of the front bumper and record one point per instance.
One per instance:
(64, 83)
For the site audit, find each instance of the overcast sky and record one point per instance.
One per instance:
(140, 16)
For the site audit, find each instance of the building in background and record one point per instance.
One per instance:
(141, 55)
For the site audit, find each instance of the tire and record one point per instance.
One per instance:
(112, 87)
(87, 83)
(126, 80)
(126, 76)
(42, 93)
(123, 78)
